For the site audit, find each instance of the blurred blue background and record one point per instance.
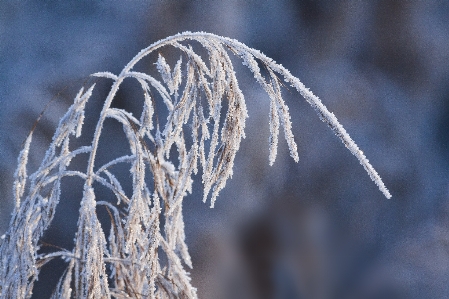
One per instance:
(316, 229)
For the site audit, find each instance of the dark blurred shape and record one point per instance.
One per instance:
(259, 249)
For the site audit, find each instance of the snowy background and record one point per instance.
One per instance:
(317, 229)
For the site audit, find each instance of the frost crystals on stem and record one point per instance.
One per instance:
(206, 114)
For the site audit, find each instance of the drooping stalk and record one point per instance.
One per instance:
(127, 264)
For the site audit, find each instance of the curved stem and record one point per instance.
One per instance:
(99, 127)
(322, 111)
(324, 114)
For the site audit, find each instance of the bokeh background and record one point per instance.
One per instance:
(317, 229)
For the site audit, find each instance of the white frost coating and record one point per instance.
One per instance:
(165, 71)
(274, 131)
(177, 75)
(105, 75)
(206, 134)
(91, 280)
(20, 176)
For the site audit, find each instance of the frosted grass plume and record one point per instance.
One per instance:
(201, 97)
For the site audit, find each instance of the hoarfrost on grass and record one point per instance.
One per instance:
(125, 262)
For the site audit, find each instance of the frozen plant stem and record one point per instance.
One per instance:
(124, 262)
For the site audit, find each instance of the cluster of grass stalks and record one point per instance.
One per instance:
(205, 123)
